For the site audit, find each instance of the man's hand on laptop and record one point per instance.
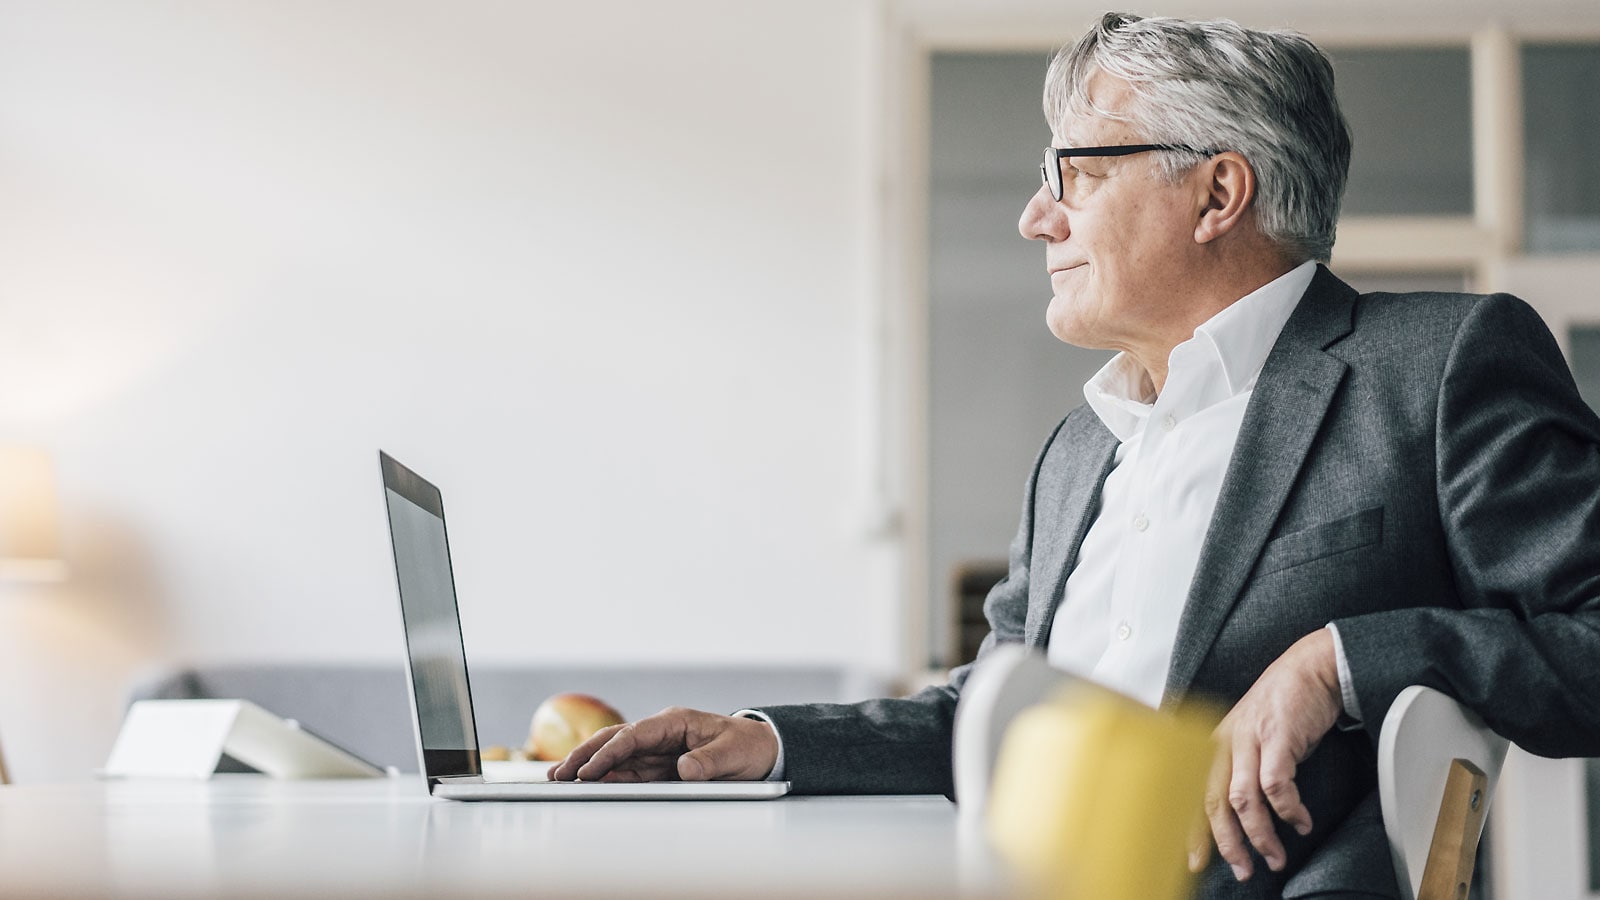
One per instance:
(675, 743)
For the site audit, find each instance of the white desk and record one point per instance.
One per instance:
(247, 835)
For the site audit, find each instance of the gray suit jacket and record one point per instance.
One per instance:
(1418, 469)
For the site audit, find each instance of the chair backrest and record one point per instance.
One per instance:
(1010, 679)
(1424, 732)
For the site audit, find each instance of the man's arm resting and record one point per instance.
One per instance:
(897, 746)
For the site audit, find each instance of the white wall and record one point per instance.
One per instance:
(599, 270)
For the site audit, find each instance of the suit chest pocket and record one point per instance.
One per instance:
(1359, 529)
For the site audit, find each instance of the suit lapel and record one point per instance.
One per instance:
(1292, 394)
(1066, 497)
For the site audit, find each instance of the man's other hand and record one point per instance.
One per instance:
(675, 743)
(1274, 727)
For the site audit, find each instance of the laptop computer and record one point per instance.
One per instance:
(436, 670)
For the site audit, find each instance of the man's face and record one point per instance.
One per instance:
(1120, 238)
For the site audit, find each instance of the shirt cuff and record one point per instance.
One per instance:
(1347, 685)
(777, 768)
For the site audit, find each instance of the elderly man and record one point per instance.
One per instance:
(1281, 494)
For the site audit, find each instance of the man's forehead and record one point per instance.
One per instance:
(1086, 131)
(1102, 123)
(1095, 131)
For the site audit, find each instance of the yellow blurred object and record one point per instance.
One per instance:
(1095, 795)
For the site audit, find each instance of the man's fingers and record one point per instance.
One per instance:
(653, 767)
(1225, 830)
(1199, 842)
(1228, 835)
(658, 734)
(1277, 783)
(1200, 838)
(1248, 803)
(567, 769)
(663, 769)
(615, 750)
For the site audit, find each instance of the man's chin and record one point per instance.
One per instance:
(1067, 325)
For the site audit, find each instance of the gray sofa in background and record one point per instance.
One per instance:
(364, 708)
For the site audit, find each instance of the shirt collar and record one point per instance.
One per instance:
(1244, 332)
(1122, 395)
(1239, 339)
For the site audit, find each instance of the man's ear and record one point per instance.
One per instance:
(1229, 188)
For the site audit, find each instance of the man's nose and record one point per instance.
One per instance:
(1043, 219)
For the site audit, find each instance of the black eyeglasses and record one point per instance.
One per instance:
(1050, 169)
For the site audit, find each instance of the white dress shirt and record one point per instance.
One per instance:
(1118, 618)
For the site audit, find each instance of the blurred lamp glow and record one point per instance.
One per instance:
(29, 547)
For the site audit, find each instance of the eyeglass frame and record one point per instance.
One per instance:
(1052, 159)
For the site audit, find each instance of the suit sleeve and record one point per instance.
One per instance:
(1518, 486)
(903, 746)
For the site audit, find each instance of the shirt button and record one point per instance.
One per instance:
(1124, 631)
(1140, 523)
(1169, 423)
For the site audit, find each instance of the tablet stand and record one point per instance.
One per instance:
(186, 739)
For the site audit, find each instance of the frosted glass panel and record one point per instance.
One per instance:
(1410, 113)
(1561, 121)
(1583, 342)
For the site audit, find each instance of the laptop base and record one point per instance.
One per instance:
(476, 789)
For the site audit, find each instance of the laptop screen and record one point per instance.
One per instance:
(443, 701)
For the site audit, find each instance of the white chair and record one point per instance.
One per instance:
(1437, 769)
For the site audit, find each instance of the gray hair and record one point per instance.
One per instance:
(1217, 86)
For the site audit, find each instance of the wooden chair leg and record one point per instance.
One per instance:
(4, 778)
(1454, 850)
